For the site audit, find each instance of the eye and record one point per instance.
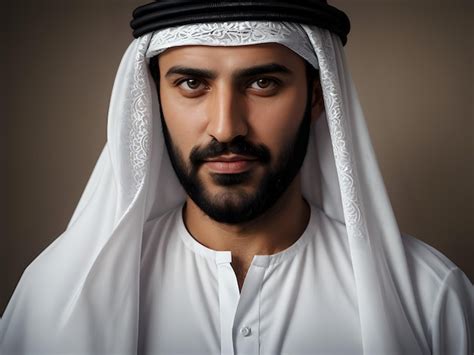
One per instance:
(190, 84)
(264, 84)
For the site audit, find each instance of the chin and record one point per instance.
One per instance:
(232, 205)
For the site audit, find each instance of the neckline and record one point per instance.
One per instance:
(258, 260)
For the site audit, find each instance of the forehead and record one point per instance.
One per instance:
(230, 57)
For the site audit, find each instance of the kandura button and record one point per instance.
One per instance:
(246, 331)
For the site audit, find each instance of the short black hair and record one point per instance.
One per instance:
(154, 69)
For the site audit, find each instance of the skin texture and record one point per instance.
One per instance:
(210, 102)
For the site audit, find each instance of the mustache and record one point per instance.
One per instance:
(238, 145)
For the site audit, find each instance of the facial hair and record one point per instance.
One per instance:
(236, 206)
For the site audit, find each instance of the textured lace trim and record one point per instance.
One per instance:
(235, 34)
(340, 132)
(140, 125)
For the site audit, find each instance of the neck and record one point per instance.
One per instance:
(275, 230)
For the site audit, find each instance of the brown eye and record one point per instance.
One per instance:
(190, 84)
(263, 84)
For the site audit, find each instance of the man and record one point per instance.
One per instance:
(237, 207)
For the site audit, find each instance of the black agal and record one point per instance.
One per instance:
(169, 13)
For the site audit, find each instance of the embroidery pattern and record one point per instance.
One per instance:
(139, 131)
(340, 132)
(234, 34)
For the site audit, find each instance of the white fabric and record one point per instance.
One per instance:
(81, 295)
(234, 34)
(301, 300)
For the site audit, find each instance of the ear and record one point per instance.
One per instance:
(317, 104)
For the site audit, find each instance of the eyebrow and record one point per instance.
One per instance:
(271, 68)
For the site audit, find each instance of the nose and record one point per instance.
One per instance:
(227, 115)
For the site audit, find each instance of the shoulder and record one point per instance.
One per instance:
(424, 258)
(433, 272)
(444, 296)
(432, 269)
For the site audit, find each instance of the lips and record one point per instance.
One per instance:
(231, 158)
(230, 164)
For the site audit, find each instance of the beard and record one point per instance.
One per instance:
(234, 205)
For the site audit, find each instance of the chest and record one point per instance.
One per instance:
(194, 306)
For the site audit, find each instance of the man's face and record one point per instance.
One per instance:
(236, 123)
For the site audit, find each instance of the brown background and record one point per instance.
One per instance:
(411, 61)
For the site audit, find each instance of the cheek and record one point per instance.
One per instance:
(276, 121)
(183, 122)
